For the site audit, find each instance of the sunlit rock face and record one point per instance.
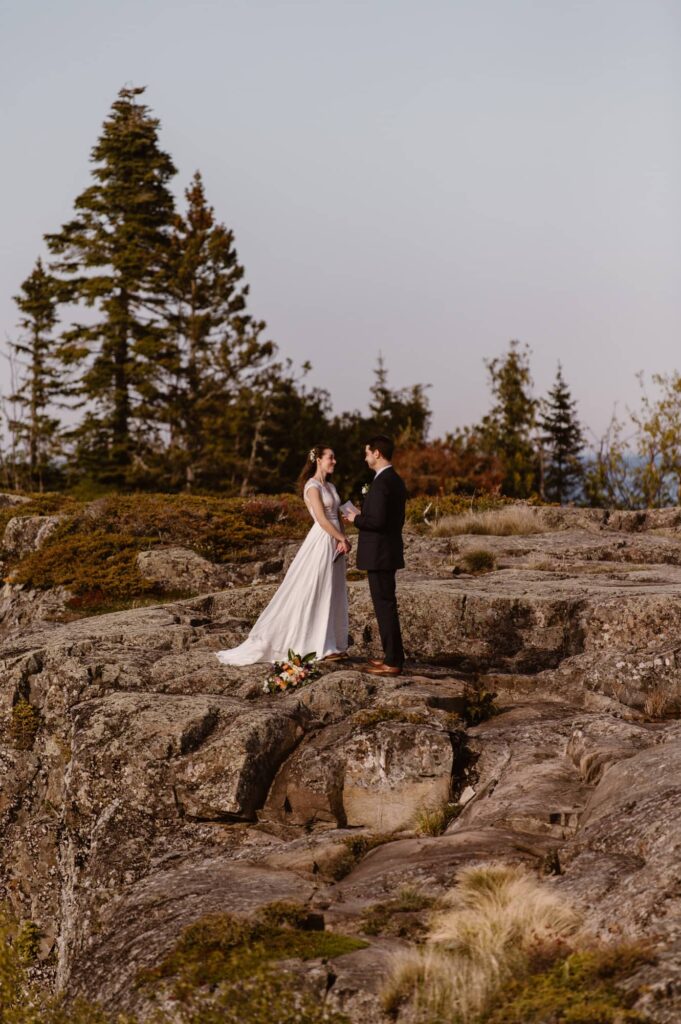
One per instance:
(143, 785)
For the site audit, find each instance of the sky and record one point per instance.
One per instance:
(427, 179)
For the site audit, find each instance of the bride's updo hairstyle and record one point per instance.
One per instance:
(310, 467)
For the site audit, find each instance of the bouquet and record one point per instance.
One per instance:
(293, 673)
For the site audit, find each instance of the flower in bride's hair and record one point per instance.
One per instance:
(312, 456)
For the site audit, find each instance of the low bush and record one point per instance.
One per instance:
(222, 948)
(93, 552)
(223, 971)
(578, 989)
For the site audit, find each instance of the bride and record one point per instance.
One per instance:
(309, 611)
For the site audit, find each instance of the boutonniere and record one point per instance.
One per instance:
(365, 490)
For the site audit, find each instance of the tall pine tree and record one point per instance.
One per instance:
(507, 430)
(562, 443)
(110, 257)
(215, 347)
(40, 376)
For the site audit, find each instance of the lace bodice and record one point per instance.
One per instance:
(330, 499)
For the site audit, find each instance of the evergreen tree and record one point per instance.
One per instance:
(507, 430)
(286, 419)
(403, 414)
(110, 257)
(563, 443)
(41, 375)
(215, 345)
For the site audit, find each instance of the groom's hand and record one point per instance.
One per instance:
(349, 516)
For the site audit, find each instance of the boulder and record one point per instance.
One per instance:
(181, 570)
(24, 534)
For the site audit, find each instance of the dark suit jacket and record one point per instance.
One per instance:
(380, 523)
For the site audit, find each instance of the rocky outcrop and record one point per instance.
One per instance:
(153, 786)
(24, 534)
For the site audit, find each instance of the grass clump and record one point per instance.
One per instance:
(478, 560)
(505, 950)
(495, 918)
(24, 724)
(479, 705)
(661, 704)
(400, 917)
(511, 520)
(430, 511)
(433, 821)
(351, 852)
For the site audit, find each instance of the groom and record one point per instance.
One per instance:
(380, 550)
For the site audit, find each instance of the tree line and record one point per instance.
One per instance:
(139, 365)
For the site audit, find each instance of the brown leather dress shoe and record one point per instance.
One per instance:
(381, 669)
(336, 656)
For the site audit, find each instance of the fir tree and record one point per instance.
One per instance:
(507, 430)
(41, 375)
(215, 343)
(404, 413)
(563, 443)
(110, 257)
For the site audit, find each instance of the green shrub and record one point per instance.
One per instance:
(255, 992)
(579, 989)
(221, 948)
(93, 552)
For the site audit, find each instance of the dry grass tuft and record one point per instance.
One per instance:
(502, 522)
(478, 560)
(497, 917)
(433, 821)
(660, 703)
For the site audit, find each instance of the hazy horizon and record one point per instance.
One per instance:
(426, 181)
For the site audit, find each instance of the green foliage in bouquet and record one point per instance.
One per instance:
(296, 671)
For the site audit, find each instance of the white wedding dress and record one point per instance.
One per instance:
(309, 611)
